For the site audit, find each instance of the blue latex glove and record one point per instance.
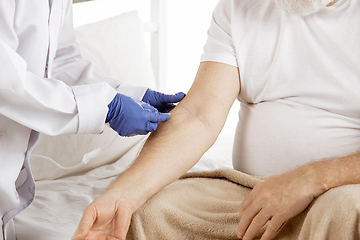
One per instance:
(162, 102)
(129, 116)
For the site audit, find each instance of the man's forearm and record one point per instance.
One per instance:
(338, 171)
(325, 175)
(167, 155)
(180, 142)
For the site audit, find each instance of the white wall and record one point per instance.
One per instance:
(188, 22)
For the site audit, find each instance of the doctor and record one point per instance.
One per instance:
(47, 87)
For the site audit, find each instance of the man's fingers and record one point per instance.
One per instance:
(86, 222)
(272, 228)
(246, 217)
(123, 219)
(256, 224)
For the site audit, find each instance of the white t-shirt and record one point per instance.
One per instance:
(300, 82)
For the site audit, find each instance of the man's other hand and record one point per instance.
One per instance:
(106, 218)
(277, 200)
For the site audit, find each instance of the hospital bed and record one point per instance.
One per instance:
(127, 39)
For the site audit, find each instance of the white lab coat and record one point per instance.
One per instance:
(45, 86)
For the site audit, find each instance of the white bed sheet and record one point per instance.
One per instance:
(58, 205)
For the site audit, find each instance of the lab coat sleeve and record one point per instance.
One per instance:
(45, 105)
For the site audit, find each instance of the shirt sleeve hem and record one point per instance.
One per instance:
(218, 57)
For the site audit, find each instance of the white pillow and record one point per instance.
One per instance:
(118, 46)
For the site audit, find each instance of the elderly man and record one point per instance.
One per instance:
(294, 66)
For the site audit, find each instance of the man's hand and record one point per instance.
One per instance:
(106, 218)
(276, 201)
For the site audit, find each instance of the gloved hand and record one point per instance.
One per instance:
(129, 116)
(162, 102)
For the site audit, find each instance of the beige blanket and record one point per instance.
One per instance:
(205, 205)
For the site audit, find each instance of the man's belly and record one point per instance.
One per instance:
(279, 136)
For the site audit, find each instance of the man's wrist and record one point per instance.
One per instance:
(131, 186)
(317, 179)
(118, 193)
(329, 174)
(339, 171)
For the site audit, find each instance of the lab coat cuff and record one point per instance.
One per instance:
(92, 102)
(132, 91)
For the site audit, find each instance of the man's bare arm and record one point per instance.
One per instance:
(193, 127)
(339, 171)
(169, 152)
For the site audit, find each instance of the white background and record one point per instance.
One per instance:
(188, 22)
